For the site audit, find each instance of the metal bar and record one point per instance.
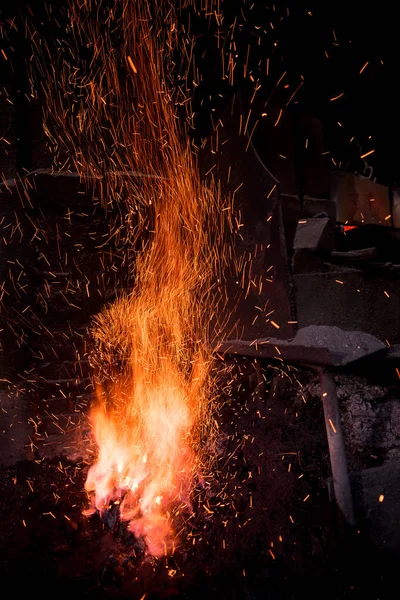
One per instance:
(340, 475)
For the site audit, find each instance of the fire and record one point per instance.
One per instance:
(117, 111)
(152, 409)
(147, 420)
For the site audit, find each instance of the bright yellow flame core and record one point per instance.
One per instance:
(145, 449)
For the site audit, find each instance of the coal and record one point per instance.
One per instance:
(111, 516)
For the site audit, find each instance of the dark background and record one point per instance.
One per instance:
(322, 44)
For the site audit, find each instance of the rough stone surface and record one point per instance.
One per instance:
(352, 344)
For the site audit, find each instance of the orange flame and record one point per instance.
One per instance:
(149, 419)
(116, 117)
(146, 420)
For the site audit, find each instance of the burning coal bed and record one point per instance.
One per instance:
(258, 523)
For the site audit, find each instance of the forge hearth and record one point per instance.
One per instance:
(266, 518)
(270, 511)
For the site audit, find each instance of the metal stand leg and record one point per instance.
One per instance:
(341, 481)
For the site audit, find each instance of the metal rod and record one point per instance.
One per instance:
(340, 475)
